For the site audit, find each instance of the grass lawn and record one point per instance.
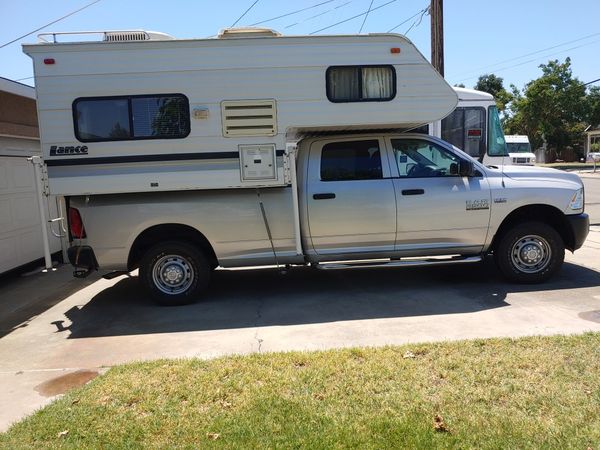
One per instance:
(540, 392)
(570, 166)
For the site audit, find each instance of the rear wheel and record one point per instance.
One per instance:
(174, 273)
(530, 252)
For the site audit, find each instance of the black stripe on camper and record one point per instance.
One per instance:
(145, 158)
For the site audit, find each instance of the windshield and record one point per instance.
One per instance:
(518, 147)
(496, 142)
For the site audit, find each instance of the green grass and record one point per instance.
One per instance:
(540, 392)
(570, 166)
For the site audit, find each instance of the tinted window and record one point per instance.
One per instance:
(355, 160)
(418, 159)
(361, 84)
(102, 119)
(128, 118)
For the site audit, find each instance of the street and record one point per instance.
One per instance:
(592, 196)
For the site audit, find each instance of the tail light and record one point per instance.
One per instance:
(76, 224)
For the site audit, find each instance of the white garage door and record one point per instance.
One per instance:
(20, 235)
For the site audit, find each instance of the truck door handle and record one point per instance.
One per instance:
(413, 191)
(325, 196)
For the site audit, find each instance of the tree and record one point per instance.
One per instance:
(593, 105)
(460, 85)
(552, 107)
(492, 84)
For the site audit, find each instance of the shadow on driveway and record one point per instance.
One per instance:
(251, 298)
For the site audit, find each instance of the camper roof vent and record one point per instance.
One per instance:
(247, 32)
(249, 118)
(138, 35)
(106, 36)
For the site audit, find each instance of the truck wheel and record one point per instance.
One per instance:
(174, 273)
(530, 252)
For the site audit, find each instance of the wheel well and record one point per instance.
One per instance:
(540, 213)
(168, 232)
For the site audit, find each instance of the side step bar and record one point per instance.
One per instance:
(397, 263)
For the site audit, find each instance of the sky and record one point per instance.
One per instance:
(509, 38)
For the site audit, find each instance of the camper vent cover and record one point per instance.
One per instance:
(249, 118)
(126, 36)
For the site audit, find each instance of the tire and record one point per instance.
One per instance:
(530, 252)
(174, 273)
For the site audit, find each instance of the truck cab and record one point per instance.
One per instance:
(519, 150)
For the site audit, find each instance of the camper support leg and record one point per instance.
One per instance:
(37, 169)
(291, 149)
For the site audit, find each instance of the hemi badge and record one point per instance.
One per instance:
(499, 200)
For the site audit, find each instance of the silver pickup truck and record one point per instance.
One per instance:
(364, 200)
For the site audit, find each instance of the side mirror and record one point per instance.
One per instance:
(465, 168)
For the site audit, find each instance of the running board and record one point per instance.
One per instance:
(394, 263)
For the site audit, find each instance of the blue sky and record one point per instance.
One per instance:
(480, 36)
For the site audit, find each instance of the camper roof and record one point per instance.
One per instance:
(472, 94)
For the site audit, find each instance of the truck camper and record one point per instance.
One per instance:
(180, 156)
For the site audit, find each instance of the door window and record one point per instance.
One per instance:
(351, 160)
(417, 159)
(465, 128)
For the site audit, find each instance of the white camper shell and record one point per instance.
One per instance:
(139, 112)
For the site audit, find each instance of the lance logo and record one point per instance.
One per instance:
(62, 151)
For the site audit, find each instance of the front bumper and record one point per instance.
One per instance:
(580, 227)
(82, 257)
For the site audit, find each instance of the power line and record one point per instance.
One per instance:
(405, 21)
(418, 21)
(21, 79)
(245, 12)
(318, 15)
(291, 13)
(51, 23)
(536, 59)
(591, 82)
(352, 18)
(528, 54)
(365, 19)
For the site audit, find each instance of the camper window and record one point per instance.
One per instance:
(130, 118)
(360, 83)
(354, 160)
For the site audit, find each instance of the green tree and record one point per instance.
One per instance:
(494, 85)
(593, 104)
(553, 106)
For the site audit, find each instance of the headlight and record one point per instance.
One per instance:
(577, 200)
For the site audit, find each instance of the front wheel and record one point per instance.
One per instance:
(174, 273)
(530, 252)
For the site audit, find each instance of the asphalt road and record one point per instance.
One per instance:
(592, 197)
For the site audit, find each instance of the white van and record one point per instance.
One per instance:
(519, 149)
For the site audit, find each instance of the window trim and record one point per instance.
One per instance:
(360, 82)
(130, 116)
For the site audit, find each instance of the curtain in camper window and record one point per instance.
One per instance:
(377, 82)
(160, 116)
(360, 83)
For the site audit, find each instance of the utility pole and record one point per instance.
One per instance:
(436, 11)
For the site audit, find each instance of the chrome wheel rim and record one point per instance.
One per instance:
(173, 274)
(531, 254)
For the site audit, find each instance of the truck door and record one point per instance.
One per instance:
(439, 212)
(350, 197)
